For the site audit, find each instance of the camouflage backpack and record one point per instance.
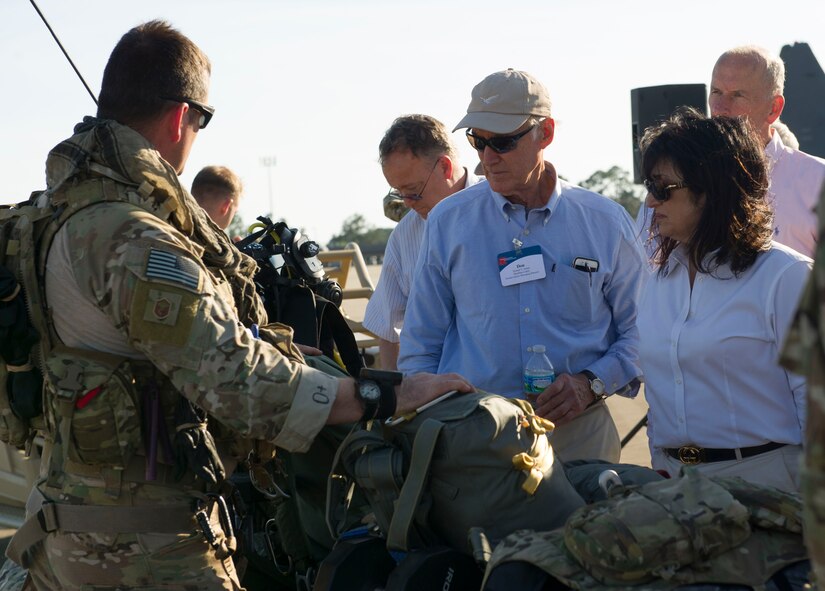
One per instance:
(470, 461)
(24, 332)
(686, 530)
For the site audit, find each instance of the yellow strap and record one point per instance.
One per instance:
(540, 425)
(535, 463)
(529, 465)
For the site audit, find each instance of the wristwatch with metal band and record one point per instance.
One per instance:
(596, 386)
(376, 390)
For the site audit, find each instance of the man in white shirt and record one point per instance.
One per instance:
(421, 165)
(749, 81)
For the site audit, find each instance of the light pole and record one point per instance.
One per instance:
(269, 163)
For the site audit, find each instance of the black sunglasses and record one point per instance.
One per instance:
(205, 110)
(662, 194)
(500, 144)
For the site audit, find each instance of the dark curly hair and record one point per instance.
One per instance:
(721, 160)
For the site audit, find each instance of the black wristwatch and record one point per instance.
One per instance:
(376, 390)
(596, 386)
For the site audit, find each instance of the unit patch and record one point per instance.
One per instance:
(162, 313)
(162, 307)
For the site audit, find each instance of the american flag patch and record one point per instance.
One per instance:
(170, 267)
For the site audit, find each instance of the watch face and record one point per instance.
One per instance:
(597, 386)
(369, 391)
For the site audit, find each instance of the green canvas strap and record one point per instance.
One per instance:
(45, 517)
(410, 497)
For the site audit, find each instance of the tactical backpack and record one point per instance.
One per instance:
(298, 293)
(24, 332)
(663, 535)
(470, 461)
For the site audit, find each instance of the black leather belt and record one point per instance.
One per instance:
(702, 455)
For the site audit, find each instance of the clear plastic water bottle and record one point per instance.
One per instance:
(538, 374)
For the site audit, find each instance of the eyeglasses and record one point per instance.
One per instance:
(500, 144)
(205, 111)
(415, 196)
(662, 194)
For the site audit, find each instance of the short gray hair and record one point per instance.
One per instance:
(535, 121)
(773, 66)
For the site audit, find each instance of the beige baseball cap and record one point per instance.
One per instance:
(503, 101)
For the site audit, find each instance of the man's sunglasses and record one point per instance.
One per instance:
(500, 144)
(205, 111)
(662, 194)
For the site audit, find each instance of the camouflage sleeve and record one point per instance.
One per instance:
(804, 353)
(149, 280)
(804, 340)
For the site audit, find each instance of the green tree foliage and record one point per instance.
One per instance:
(355, 229)
(616, 183)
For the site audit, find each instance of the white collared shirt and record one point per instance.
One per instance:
(709, 354)
(796, 181)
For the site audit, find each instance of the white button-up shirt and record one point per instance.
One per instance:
(709, 354)
(796, 180)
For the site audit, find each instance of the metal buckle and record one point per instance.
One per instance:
(690, 455)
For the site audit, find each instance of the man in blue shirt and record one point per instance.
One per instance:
(526, 258)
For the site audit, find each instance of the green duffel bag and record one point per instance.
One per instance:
(470, 461)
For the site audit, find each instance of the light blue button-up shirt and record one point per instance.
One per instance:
(461, 319)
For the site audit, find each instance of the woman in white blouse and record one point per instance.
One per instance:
(716, 308)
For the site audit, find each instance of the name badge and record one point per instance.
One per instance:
(521, 266)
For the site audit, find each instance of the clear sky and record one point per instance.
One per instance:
(311, 85)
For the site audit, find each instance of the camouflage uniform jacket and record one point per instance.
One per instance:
(172, 285)
(804, 353)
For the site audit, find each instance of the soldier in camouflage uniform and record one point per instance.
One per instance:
(149, 304)
(804, 353)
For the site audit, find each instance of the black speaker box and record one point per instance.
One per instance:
(652, 104)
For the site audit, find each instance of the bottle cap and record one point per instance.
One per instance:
(538, 349)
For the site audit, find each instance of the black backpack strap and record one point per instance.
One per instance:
(333, 327)
(298, 310)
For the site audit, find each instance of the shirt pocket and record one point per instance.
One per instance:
(579, 295)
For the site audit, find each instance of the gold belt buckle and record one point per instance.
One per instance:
(690, 455)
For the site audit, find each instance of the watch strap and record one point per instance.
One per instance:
(592, 377)
(386, 403)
